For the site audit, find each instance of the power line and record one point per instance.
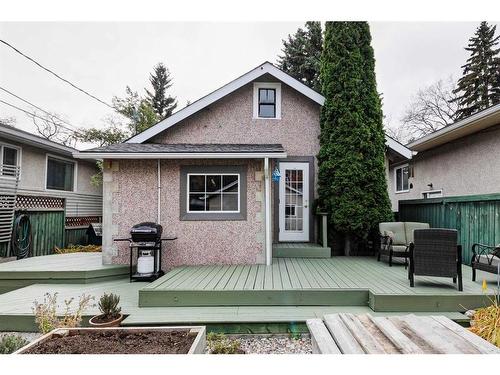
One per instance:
(37, 107)
(57, 75)
(35, 115)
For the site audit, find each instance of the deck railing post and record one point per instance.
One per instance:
(267, 209)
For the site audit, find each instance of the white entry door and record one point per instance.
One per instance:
(294, 202)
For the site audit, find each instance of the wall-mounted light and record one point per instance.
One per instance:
(430, 186)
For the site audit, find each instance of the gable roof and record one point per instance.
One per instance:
(265, 68)
(472, 124)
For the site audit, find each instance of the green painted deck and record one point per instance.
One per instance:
(16, 310)
(338, 281)
(76, 268)
(300, 250)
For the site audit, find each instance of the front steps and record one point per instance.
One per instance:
(300, 250)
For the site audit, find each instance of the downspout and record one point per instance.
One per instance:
(267, 210)
(159, 194)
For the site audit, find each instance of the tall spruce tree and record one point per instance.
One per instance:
(352, 183)
(479, 87)
(302, 54)
(158, 99)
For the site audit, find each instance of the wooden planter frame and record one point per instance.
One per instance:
(198, 346)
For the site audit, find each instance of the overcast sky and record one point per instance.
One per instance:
(103, 58)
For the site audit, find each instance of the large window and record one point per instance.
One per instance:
(9, 158)
(60, 174)
(401, 178)
(213, 192)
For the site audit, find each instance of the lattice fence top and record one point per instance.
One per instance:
(29, 202)
(82, 221)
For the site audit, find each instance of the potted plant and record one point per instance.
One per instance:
(111, 315)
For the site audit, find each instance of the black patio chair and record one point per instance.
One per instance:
(435, 252)
(485, 258)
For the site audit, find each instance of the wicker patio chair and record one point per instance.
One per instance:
(485, 258)
(435, 252)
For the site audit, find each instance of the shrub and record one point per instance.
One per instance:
(46, 313)
(486, 322)
(78, 249)
(218, 343)
(108, 304)
(11, 343)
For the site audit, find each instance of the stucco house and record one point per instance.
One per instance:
(233, 175)
(458, 160)
(50, 183)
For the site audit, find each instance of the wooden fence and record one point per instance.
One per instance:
(476, 217)
(48, 231)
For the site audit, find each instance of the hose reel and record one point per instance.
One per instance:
(21, 236)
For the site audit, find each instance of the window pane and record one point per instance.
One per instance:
(60, 174)
(213, 202)
(267, 96)
(405, 178)
(9, 156)
(214, 182)
(230, 202)
(398, 179)
(196, 202)
(230, 184)
(267, 110)
(196, 183)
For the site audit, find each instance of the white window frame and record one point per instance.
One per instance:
(75, 173)
(188, 192)
(19, 156)
(266, 85)
(396, 178)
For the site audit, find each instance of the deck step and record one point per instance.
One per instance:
(300, 250)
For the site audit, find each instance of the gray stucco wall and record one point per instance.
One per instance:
(467, 166)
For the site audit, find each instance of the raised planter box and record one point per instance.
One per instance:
(198, 345)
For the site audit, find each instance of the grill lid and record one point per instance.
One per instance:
(147, 231)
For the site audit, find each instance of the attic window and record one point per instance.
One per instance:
(267, 100)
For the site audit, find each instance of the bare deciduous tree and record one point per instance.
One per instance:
(431, 109)
(50, 127)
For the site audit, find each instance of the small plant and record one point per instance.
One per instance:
(218, 343)
(108, 305)
(486, 322)
(10, 343)
(46, 313)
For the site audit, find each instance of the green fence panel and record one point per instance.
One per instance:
(475, 217)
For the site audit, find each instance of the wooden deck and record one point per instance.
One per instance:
(76, 268)
(300, 250)
(338, 281)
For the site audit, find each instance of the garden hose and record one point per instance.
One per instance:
(21, 236)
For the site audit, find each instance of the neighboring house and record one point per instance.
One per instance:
(459, 160)
(230, 175)
(50, 179)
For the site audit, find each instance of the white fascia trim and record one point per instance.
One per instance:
(222, 92)
(398, 147)
(36, 141)
(180, 155)
(469, 121)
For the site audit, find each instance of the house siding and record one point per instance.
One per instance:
(130, 197)
(467, 166)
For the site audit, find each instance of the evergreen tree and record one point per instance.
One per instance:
(479, 87)
(352, 183)
(140, 113)
(158, 99)
(302, 54)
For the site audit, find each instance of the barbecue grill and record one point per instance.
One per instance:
(145, 240)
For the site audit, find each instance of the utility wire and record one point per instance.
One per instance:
(35, 115)
(37, 107)
(57, 75)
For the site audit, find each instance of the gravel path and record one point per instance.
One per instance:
(274, 344)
